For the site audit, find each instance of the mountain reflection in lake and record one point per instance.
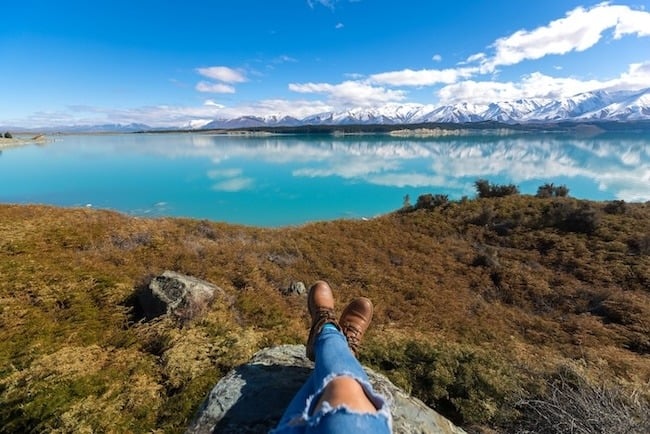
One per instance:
(281, 180)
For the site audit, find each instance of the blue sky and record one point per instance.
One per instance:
(166, 63)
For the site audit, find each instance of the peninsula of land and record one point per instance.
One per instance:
(13, 142)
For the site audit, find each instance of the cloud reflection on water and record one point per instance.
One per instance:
(618, 165)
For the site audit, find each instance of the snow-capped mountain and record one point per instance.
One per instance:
(254, 121)
(589, 106)
(596, 106)
(456, 113)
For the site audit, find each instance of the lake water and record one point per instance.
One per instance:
(285, 180)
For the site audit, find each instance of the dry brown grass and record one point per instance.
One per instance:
(475, 302)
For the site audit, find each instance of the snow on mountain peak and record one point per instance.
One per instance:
(598, 105)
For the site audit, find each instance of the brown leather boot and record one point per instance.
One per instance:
(320, 302)
(355, 320)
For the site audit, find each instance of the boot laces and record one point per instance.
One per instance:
(353, 336)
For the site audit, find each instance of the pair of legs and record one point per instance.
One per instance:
(337, 397)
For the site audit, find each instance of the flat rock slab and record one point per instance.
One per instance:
(251, 398)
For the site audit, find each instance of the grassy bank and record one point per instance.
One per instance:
(479, 306)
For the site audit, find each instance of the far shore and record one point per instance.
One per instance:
(39, 139)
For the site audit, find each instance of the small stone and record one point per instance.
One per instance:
(295, 288)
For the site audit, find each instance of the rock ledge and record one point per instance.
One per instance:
(252, 397)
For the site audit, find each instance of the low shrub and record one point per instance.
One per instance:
(486, 190)
(572, 404)
(615, 207)
(431, 201)
(569, 217)
(550, 190)
(640, 245)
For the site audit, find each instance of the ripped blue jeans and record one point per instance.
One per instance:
(333, 359)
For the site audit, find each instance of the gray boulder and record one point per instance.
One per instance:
(251, 398)
(294, 288)
(183, 296)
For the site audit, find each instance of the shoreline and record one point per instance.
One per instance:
(39, 139)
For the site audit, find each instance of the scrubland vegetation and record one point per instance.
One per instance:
(496, 311)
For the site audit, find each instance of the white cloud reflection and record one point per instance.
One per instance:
(234, 185)
(619, 166)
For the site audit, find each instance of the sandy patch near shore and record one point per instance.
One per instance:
(40, 139)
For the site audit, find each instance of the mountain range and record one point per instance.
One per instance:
(596, 106)
(584, 107)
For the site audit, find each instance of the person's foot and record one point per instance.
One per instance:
(320, 302)
(355, 320)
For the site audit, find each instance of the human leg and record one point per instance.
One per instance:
(344, 389)
(346, 401)
(339, 397)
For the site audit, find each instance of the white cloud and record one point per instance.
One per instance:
(478, 92)
(207, 87)
(478, 57)
(222, 73)
(436, 58)
(538, 85)
(349, 92)
(171, 116)
(211, 103)
(422, 77)
(283, 107)
(579, 30)
(339, 26)
(636, 77)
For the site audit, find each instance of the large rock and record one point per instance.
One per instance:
(172, 293)
(252, 398)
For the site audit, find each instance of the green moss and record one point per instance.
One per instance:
(469, 384)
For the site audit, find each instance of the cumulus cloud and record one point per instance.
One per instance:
(422, 77)
(207, 87)
(538, 85)
(339, 26)
(222, 73)
(636, 77)
(579, 30)
(436, 58)
(350, 92)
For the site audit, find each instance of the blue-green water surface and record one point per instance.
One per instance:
(285, 180)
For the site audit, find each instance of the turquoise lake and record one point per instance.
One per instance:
(288, 180)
